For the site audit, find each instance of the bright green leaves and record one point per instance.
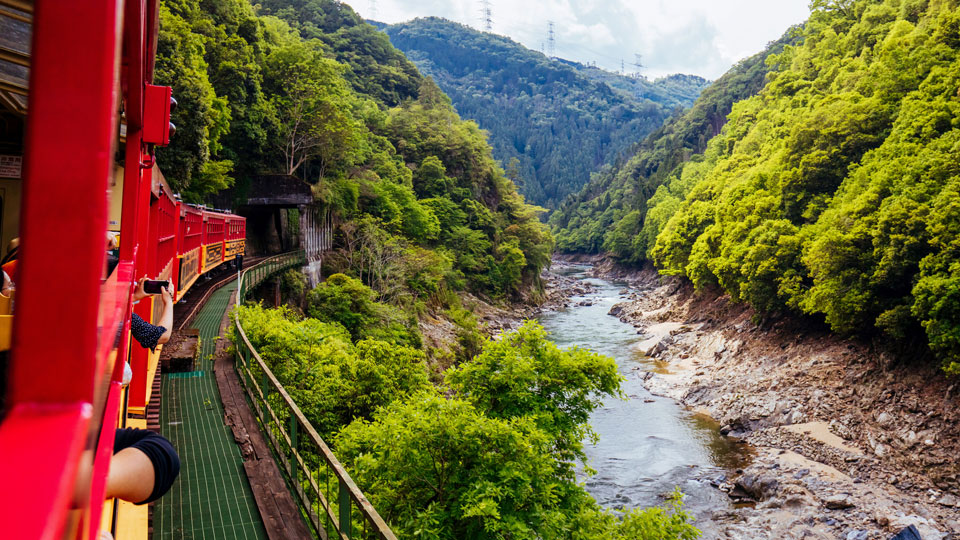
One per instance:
(203, 118)
(313, 107)
(330, 379)
(525, 375)
(345, 300)
(439, 468)
(657, 523)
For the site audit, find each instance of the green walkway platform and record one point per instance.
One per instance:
(212, 499)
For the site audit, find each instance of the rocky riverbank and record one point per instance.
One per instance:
(850, 442)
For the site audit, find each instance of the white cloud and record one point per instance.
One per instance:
(703, 37)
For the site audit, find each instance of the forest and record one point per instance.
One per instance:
(551, 122)
(425, 216)
(829, 190)
(427, 207)
(817, 178)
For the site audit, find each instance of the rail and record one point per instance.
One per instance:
(340, 510)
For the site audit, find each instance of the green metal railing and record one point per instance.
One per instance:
(328, 497)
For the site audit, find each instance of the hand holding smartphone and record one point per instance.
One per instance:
(154, 286)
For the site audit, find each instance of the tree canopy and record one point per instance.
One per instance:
(306, 88)
(831, 192)
(559, 120)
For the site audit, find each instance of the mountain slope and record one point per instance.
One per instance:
(608, 213)
(422, 205)
(559, 120)
(834, 191)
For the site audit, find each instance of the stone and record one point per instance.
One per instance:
(910, 438)
(948, 500)
(884, 419)
(839, 502)
(758, 487)
(857, 535)
(880, 450)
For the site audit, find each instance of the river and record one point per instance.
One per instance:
(647, 444)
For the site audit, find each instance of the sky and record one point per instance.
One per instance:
(699, 37)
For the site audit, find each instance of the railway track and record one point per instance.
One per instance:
(185, 310)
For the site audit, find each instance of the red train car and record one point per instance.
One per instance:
(214, 233)
(87, 60)
(190, 245)
(234, 246)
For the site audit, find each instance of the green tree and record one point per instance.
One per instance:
(347, 301)
(313, 107)
(523, 374)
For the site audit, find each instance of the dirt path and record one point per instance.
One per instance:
(850, 443)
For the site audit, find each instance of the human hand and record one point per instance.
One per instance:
(139, 293)
(167, 294)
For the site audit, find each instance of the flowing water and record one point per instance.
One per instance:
(648, 445)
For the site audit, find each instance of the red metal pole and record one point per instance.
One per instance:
(68, 163)
(137, 181)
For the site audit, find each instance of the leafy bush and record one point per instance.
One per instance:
(347, 301)
(523, 374)
(332, 380)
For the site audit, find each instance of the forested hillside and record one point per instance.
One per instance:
(608, 213)
(835, 191)
(551, 122)
(424, 205)
(485, 448)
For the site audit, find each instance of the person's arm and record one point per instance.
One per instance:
(131, 476)
(143, 467)
(166, 318)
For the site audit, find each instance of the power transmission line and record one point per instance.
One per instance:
(486, 15)
(551, 41)
(638, 64)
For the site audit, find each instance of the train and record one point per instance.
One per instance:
(191, 240)
(80, 122)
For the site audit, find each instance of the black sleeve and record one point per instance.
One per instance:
(166, 462)
(145, 333)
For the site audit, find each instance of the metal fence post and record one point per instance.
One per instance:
(344, 507)
(293, 451)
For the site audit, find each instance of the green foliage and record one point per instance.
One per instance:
(374, 67)
(312, 105)
(345, 300)
(306, 87)
(331, 380)
(556, 121)
(523, 374)
(294, 284)
(439, 468)
(832, 192)
(657, 523)
(202, 119)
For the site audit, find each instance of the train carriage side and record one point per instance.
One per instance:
(190, 247)
(234, 247)
(164, 229)
(214, 230)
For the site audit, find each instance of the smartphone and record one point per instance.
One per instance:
(153, 286)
